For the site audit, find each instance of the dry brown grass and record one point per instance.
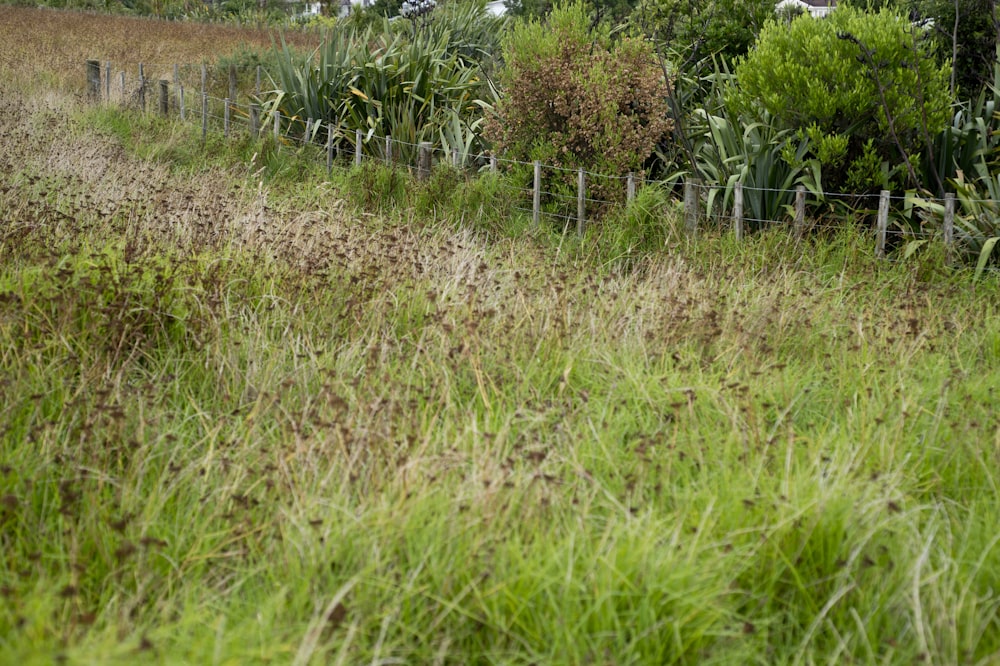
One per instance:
(51, 45)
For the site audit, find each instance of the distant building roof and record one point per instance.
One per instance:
(817, 8)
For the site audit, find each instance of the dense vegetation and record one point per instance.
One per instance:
(726, 94)
(847, 106)
(252, 413)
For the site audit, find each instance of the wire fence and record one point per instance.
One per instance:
(564, 197)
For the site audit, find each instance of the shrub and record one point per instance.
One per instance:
(573, 98)
(863, 86)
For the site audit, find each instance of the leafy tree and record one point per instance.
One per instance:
(863, 87)
(971, 41)
(700, 28)
(964, 31)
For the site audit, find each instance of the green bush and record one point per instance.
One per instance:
(862, 77)
(574, 98)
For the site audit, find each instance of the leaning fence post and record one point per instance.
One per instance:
(800, 211)
(94, 80)
(255, 120)
(536, 195)
(949, 224)
(581, 201)
(357, 147)
(738, 210)
(630, 186)
(164, 97)
(424, 160)
(691, 212)
(883, 223)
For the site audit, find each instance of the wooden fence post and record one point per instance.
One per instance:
(581, 201)
(142, 88)
(180, 99)
(536, 195)
(277, 128)
(164, 97)
(177, 81)
(424, 160)
(307, 136)
(124, 96)
(388, 150)
(204, 117)
(691, 206)
(883, 223)
(738, 210)
(630, 186)
(357, 147)
(454, 158)
(949, 225)
(204, 79)
(255, 120)
(493, 164)
(799, 224)
(94, 80)
(256, 88)
(225, 118)
(107, 82)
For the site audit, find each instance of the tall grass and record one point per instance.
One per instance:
(247, 417)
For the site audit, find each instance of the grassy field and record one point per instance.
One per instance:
(249, 414)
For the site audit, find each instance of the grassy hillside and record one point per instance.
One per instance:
(252, 415)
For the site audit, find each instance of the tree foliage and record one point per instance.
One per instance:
(863, 87)
(700, 28)
(963, 30)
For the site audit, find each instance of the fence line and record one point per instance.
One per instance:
(175, 98)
